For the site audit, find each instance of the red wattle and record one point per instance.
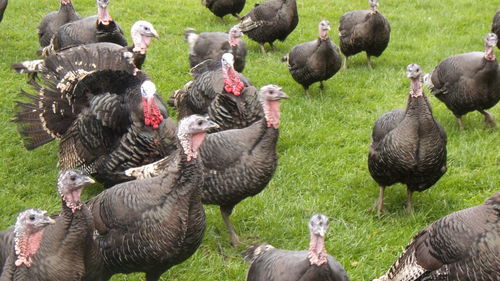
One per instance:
(152, 114)
(233, 84)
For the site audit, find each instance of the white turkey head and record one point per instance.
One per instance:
(373, 6)
(28, 232)
(142, 33)
(234, 35)
(103, 16)
(490, 41)
(270, 96)
(69, 185)
(232, 82)
(324, 27)
(191, 133)
(318, 225)
(413, 71)
(152, 113)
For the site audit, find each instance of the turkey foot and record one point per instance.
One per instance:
(488, 118)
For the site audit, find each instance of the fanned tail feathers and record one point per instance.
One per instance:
(29, 66)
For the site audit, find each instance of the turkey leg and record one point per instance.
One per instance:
(226, 212)
(488, 118)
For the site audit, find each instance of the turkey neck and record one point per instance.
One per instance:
(26, 246)
(317, 252)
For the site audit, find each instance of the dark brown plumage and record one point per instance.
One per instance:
(462, 246)
(93, 29)
(468, 82)
(221, 8)
(212, 45)
(3, 7)
(150, 225)
(270, 21)
(62, 250)
(314, 61)
(270, 264)
(364, 30)
(53, 20)
(237, 163)
(408, 146)
(210, 79)
(104, 111)
(495, 26)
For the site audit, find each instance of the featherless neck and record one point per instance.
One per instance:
(489, 53)
(272, 113)
(152, 113)
(323, 34)
(190, 144)
(415, 88)
(317, 252)
(233, 41)
(26, 245)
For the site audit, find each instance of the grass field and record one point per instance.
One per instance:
(324, 141)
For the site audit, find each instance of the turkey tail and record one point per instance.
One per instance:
(190, 36)
(248, 24)
(255, 250)
(46, 118)
(285, 58)
(29, 66)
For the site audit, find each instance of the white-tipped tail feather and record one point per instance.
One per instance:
(29, 66)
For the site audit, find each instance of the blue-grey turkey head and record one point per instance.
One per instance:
(468, 82)
(408, 146)
(271, 264)
(28, 232)
(462, 246)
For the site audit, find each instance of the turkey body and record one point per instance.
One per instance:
(53, 20)
(221, 8)
(362, 30)
(467, 82)
(85, 31)
(3, 7)
(462, 246)
(495, 26)
(212, 45)
(63, 252)
(150, 225)
(408, 147)
(6, 244)
(284, 265)
(314, 61)
(271, 20)
(93, 104)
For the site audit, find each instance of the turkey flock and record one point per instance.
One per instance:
(151, 163)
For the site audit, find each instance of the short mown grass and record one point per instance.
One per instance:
(324, 141)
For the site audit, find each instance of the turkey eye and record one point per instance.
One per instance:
(32, 217)
(146, 28)
(200, 123)
(72, 178)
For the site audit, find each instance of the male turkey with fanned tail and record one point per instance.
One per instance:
(408, 146)
(462, 246)
(105, 112)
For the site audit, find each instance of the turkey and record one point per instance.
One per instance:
(314, 61)
(495, 26)
(150, 225)
(3, 6)
(142, 33)
(221, 8)
(212, 45)
(53, 20)
(468, 82)
(106, 113)
(210, 78)
(408, 146)
(60, 251)
(270, 264)
(237, 163)
(93, 29)
(269, 21)
(462, 246)
(364, 30)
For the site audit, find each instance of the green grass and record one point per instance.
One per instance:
(324, 142)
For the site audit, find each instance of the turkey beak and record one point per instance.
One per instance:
(211, 125)
(282, 95)
(88, 180)
(47, 220)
